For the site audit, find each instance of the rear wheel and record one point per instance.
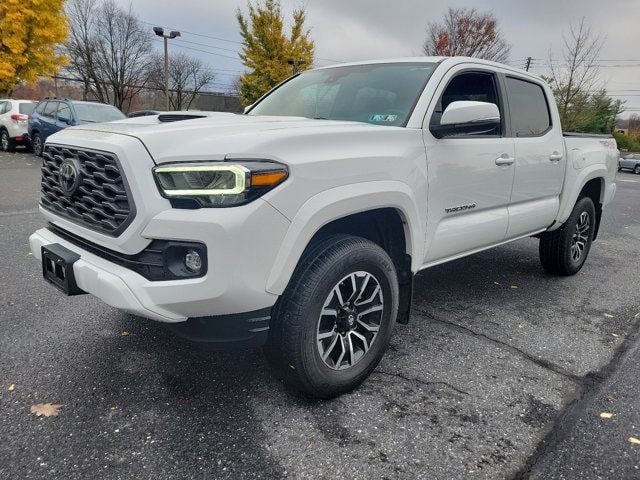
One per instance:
(6, 143)
(334, 321)
(564, 251)
(37, 144)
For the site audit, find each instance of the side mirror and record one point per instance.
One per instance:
(247, 108)
(465, 118)
(66, 120)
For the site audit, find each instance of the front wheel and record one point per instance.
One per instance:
(636, 170)
(564, 251)
(334, 321)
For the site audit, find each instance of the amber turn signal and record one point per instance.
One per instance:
(267, 179)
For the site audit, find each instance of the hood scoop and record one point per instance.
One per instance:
(176, 117)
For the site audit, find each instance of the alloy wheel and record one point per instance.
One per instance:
(580, 236)
(350, 320)
(37, 145)
(5, 141)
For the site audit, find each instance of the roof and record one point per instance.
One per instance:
(444, 60)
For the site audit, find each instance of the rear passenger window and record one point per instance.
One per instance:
(50, 110)
(528, 107)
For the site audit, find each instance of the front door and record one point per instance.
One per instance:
(470, 176)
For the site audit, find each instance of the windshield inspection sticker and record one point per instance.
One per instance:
(381, 118)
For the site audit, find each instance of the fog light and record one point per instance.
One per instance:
(193, 261)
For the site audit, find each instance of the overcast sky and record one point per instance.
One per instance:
(346, 30)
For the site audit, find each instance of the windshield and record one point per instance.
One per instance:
(94, 112)
(381, 94)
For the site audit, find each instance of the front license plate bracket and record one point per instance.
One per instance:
(57, 268)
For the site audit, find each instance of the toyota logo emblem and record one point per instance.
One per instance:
(69, 178)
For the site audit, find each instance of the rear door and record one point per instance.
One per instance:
(539, 154)
(48, 119)
(470, 176)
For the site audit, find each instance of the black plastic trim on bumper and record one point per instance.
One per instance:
(249, 329)
(161, 260)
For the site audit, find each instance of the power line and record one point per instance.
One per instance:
(198, 34)
(225, 40)
(205, 51)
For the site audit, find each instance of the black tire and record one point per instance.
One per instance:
(293, 347)
(7, 144)
(37, 144)
(558, 248)
(636, 170)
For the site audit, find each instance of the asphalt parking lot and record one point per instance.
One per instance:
(502, 372)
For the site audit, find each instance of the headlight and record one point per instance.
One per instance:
(218, 184)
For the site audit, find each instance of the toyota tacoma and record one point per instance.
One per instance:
(300, 224)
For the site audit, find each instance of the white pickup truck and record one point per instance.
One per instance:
(300, 224)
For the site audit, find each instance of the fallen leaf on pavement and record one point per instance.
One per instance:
(606, 415)
(125, 333)
(29, 254)
(615, 334)
(46, 409)
(496, 283)
(514, 286)
(634, 440)
(607, 315)
(12, 387)
(520, 327)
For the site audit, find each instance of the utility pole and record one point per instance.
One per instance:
(295, 64)
(159, 31)
(528, 64)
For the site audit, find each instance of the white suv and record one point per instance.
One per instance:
(14, 116)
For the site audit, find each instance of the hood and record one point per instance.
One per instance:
(219, 135)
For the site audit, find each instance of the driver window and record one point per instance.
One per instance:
(471, 86)
(64, 112)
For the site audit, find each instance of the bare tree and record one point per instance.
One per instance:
(187, 77)
(109, 50)
(467, 32)
(575, 77)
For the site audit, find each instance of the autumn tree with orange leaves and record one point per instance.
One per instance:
(466, 32)
(30, 32)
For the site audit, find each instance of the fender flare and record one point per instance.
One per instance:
(339, 202)
(568, 201)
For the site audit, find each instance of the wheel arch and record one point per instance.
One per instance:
(590, 182)
(384, 212)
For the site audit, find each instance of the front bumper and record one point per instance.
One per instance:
(241, 245)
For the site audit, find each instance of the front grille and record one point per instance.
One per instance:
(99, 200)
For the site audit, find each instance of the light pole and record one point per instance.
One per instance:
(295, 64)
(159, 31)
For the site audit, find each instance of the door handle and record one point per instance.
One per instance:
(555, 157)
(505, 159)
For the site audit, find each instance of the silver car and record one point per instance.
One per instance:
(631, 162)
